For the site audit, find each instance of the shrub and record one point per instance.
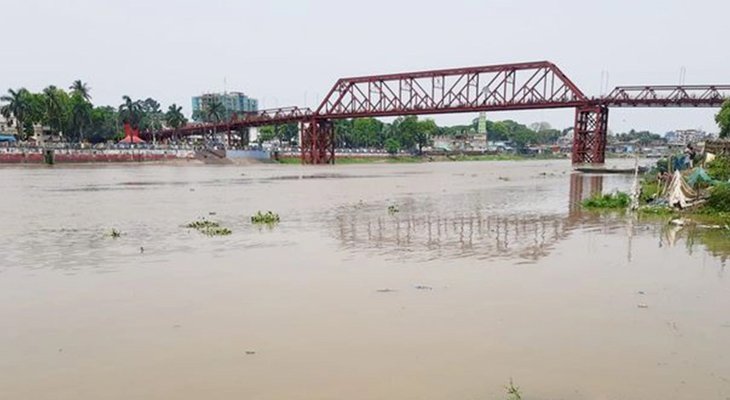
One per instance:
(610, 201)
(719, 200)
(719, 168)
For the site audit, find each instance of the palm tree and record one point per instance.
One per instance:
(80, 115)
(17, 108)
(214, 112)
(56, 108)
(175, 118)
(130, 111)
(81, 89)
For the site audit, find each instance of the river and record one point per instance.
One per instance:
(411, 281)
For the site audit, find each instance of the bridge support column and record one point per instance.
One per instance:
(589, 135)
(318, 142)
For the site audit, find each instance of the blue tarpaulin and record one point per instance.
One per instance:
(7, 138)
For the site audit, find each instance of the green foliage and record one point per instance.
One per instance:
(17, 109)
(174, 117)
(719, 168)
(513, 392)
(268, 218)
(392, 146)
(209, 228)
(618, 200)
(723, 119)
(719, 199)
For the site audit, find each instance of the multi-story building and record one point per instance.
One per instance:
(233, 103)
(683, 137)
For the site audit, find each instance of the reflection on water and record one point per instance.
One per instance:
(435, 236)
(422, 232)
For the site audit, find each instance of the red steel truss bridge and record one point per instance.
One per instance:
(522, 86)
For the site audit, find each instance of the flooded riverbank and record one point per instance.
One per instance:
(412, 281)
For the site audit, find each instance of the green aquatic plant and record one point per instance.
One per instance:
(268, 218)
(393, 209)
(513, 392)
(614, 201)
(115, 233)
(202, 224)
(209, 228)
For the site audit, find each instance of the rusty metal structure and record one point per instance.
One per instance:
(505, 87)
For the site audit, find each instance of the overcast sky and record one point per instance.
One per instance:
(291, 52)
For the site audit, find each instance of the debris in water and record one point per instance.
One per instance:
(250, 353)
(423, 287)
(393, 209)
(386, 290)
(642, 305)
(504, 178)
(641, 292)
(141, 249)
(115, 233)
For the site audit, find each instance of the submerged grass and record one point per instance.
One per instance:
(612, 201)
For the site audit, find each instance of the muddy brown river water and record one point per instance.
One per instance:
(487, 272)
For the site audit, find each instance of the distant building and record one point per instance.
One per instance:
(233, 102)
(682, 137)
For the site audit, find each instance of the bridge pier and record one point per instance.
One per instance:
(318, 142)
(589, 134)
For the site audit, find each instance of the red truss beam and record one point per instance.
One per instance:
(668, 96)
(273, 116)
(534, 85)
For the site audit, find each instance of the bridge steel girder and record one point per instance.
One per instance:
(589, 135)
(318, 141)
(668, 96)
(523, 86)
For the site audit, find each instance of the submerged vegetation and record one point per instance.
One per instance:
(209, 228)
(267, 218)
(618, 200)
(513, 392)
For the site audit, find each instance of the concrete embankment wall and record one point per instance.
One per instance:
(63, 156)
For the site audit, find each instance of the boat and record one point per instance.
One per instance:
(604, 170)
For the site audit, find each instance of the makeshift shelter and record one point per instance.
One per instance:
(679, 193)
(7, 138)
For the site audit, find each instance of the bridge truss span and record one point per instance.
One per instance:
(668, 96)
(520, 86)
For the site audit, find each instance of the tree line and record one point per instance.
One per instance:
(413, 134)
(72, 116)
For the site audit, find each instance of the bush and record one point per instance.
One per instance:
(719, 168)
(719, 200)
(610, 201)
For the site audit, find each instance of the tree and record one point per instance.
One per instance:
(17, 107)
(425, 130)
(174, 117)
(214, 111)
(80, 115)
(723, 119)
(56, 109)
(81, 89)
(392, 146)
(104, 125)
(130, 112)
